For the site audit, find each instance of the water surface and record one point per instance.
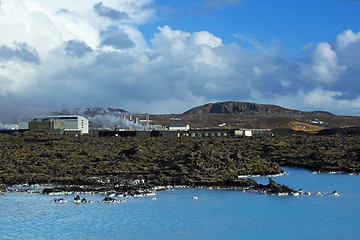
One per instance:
(216, 214)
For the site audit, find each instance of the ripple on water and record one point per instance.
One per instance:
(216, 214)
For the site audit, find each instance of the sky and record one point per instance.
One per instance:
(167, 56)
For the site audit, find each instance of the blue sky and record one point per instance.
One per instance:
(168, 56)
(291, 23)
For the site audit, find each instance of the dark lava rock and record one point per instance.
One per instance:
(3, 188)
(274, 188)
(110, 163)
(350, 131)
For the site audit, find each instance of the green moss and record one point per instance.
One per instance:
(41, 158)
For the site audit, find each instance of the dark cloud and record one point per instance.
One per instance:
(186, 69)
(13, 108)
(21, 52)
(5, 80)
(110, 13)
(116, 39)
(113, 61)
(9, 112)
(77, 48)
(348, 83)
(63, 10)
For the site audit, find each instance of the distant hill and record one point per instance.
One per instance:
(247, 108)
(234, 115)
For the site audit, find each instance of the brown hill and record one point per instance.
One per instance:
(247, 108)
(307, 123)
(236, 115)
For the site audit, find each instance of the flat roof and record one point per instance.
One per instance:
(59, 117)
(179, 125)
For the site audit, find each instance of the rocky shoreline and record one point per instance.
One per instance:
(140, 189)
(112, 195)
(132, 166)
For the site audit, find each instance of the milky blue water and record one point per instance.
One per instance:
(216, 214)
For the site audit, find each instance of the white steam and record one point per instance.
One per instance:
(8, 126)
(114, 119)
(119, 121)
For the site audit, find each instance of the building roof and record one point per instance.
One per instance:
(179, 125)
(60, 117)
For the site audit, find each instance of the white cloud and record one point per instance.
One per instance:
(270, 48)
(167, 37)
(325, 67)
(65, 54)
(347, 37)
(320, 99)
(257, 71)
(206, 38)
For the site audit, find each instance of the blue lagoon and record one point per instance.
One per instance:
(216, 214)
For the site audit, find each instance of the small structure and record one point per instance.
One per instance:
(143, 134)
(210, 133)
(24, 124)
(45, 124)
(195, 133)
(244, 132)
(179, 127)
(251, 132)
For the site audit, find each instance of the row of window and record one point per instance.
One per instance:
(206, 134)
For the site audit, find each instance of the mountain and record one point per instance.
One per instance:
(234, 115)
(247, 108)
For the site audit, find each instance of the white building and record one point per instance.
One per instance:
(248, 133)
(243, 132)
(23, 124)
(179, 127)
(251, 132)
(70, 123)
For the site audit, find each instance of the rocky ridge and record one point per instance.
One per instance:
(135, 165)
(247, 108)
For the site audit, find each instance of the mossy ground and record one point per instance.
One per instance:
(40, 158)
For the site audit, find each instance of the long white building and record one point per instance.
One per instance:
(67, 123)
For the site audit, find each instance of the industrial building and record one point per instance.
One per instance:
(64, 124)
(190, 133)
(252, 132)
(179, 127)
(144, 134)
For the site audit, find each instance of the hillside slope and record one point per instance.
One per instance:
(247, 108)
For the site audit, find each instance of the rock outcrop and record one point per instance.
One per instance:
(247, 108)
(90, 161)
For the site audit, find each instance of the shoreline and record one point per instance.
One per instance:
(260, 189)
(267, 176)
(143, 189)
(133, 165)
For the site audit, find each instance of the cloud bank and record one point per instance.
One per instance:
(68, 54)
